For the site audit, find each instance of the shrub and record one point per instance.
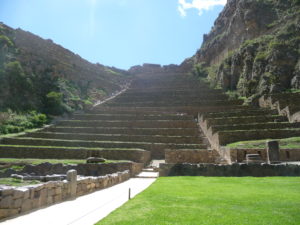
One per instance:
(4, 40)
(54, 103)
(13, 123)
(199, 70)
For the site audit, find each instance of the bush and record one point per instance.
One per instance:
(38, 119)
(54, 103)
(13, 123)
(199, 70)
(4, 40)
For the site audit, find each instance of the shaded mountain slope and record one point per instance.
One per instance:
(37, 74)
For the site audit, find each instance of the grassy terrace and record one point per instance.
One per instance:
(17, 182)
(65, 147)
(52, 161)
(213, 201)
(286, 143)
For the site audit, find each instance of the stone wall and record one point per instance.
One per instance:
(190, 156)
(93, 169)
(14, 201)
(140, 156)
(291, 110)
(234, 170)
(286, 155)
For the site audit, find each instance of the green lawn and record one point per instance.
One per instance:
(213, 201)
(17, 182)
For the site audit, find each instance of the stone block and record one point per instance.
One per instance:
(57, 198)
(17, 203)
(58, 191)
(72, 179)
(51, 192)
(26, 205)
(273, 151)
(6, 191)
(6, 202)
(49, 200)
(8, 212)
(21, 193)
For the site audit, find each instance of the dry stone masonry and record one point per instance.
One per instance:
(14, 201)
(163, 110)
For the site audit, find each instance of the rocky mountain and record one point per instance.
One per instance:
(37, 74)
(252, 49)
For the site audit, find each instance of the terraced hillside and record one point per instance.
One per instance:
(159, 113)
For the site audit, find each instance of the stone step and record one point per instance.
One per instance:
(177, 91)
(117, 137)
(170, 101)
(148, 169)
(129, 117)
(138, 111)
(128, 131)
(167, 103)
(254, 126)
(129, 124)
(146, 174)
(244, 120)
(226, 137)
(97, 144)
(52, 152)
(180, 96)
(191, 110)
(236, 113)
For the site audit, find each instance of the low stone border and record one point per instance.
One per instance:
(234, 170)
(93, 169)
(14, 201)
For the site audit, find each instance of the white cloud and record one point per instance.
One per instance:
(200, 5)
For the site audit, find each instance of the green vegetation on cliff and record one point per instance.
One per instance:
(253, 49)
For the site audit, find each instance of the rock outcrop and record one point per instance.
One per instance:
(253, 47)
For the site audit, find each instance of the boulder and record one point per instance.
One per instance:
(95, 160)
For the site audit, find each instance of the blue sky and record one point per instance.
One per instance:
(119, 33)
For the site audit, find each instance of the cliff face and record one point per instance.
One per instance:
(46, 72)
(254, 47)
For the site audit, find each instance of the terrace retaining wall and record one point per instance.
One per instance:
(140, 156)
(93, 169)
(190, 156)
(286, 155)
(234, 170)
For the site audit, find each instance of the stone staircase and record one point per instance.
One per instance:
(157, 113)
(163, 115)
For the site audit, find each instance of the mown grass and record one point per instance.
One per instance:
(213, 201)
(39, 161)
(52, 161)
(66, 147)
(286, 143)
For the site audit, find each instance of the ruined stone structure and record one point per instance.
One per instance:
(162, 115)
(14, 201)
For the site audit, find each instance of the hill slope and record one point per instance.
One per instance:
(36, 74)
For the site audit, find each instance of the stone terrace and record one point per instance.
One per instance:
(157, 113)
(158, 117)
